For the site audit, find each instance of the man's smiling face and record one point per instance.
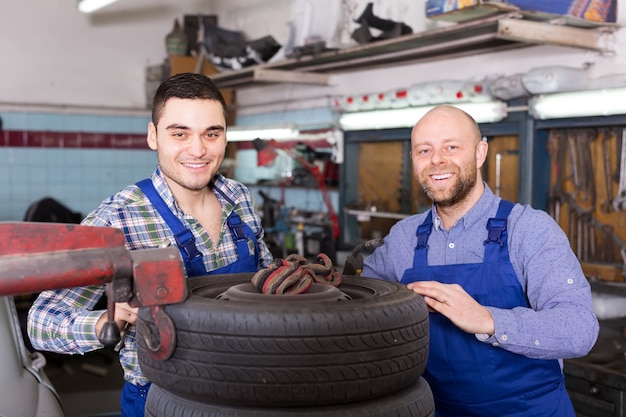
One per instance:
(190, 141)
(446, 151)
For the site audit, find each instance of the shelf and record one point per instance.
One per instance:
(606, 287)
(379, 214)
(330, 188)
(491, 34)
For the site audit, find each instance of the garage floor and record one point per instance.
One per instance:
(89, 385)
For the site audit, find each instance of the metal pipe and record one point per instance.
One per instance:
(24, 274)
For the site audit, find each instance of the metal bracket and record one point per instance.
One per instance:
(543, 34)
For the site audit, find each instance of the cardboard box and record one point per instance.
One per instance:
(591, 10)
(184, 63)
(464, 10)
(180, 64)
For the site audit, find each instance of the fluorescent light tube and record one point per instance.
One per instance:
(586, 103)
(88, 6)
(483, 112)
(238, 134)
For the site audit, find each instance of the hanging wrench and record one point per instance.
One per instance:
(619, 202)
(573, 161)
(556, 150)
(588, 171)
(607, 205)
(581, 160)
(498, 168)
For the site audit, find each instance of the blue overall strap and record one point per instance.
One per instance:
(184, 238)
(423, 231)
(236, 226)
(496, 247)
(497, 225)
(420, 259)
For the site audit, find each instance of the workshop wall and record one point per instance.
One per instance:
(68, 73)
(76, 159)
(74, 108)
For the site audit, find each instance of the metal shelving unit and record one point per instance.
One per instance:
(490, 34)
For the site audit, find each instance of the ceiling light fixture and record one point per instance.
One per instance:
(482, 112)
(604, 102)
(244, 133)
(88, 6)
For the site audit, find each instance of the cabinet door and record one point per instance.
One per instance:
(381, 184)
(501, 169)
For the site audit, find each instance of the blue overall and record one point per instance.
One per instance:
(133, 400)
(472, 378)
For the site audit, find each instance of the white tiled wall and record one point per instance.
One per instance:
(78, 178)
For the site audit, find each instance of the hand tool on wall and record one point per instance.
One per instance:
(581, 158)
(611, 241)
(586, 237)
(573, 160)
(619, 201)
(607, 205)
(607, 245)
(556, 150)
(589, 187)
(44, 256)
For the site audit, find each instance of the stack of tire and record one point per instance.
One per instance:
(356, 350)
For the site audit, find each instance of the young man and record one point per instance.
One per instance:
(507, 295)
(186, 202)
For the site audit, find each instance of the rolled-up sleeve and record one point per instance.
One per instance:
(560, 322)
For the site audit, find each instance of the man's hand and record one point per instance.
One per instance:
(452, 301)
(124, 314)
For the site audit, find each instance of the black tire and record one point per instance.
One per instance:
(415, 401)
(290, 351)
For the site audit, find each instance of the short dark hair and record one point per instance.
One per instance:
(186, 86)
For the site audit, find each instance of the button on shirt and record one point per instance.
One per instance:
(73, 331)
(560, 322)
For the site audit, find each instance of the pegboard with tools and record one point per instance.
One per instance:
(588, 196)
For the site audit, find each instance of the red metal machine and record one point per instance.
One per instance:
(42, 256)
(267, 152)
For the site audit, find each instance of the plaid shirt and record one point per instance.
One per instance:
(63, 321)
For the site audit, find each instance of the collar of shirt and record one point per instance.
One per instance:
(478, 213)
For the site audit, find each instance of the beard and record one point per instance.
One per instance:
(459, 191)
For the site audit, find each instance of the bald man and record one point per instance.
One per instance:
(507, 297)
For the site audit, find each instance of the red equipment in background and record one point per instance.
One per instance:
(266, 153)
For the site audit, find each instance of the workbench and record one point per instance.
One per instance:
(597, 382)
